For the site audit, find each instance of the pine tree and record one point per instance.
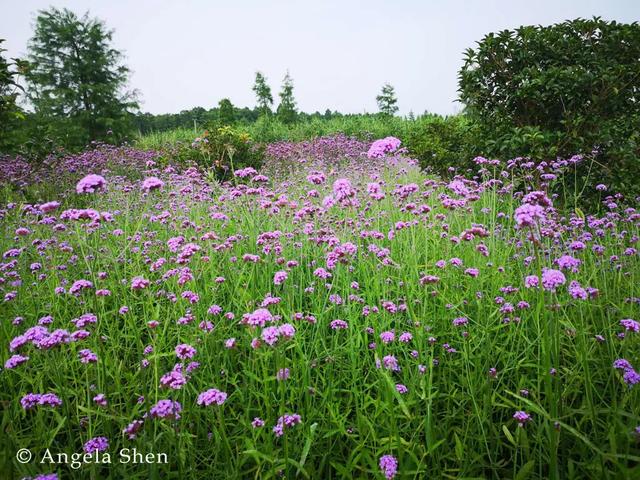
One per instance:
(10, 113)
(76, 77)
(226, 112)
(287, 109)
(387, 100)
(263, 94)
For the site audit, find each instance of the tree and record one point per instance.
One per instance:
(387, 100)
(76, 77)
(559, 90)
(287, 109)
(263, 94)
(226, 113)
(10, 113)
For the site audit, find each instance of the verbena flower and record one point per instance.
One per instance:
(91, 183)
(212, 396)
(522, 417)
(389, 466)
(99, 444)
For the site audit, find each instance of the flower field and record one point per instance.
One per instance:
(337, 314)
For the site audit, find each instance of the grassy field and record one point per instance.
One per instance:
(335, 315)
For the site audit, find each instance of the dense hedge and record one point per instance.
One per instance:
(555, 91)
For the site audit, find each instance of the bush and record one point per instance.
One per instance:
(559, 90)
(441, 143)
(224, 149)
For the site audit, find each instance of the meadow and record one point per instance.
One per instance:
(338, 313)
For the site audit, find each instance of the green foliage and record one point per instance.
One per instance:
(437, 142)
(76, 78)
(287, 112)
(441, 143)
(226, 114)
(221, 149)
(559, 90)
(263, 94)
(387, 100)
(10, 113)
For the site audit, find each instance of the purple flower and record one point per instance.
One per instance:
(166, 409)
(405, 337)
(522, 417)
(131, 430)
(383, 146)
(99, 444)
(90, 184)
(631, 377)
(630, 325)
(152, 183)
(567, 262)
(460, 321)
(402, 389)
(257, 422)
(270, 335)
(185, 351)
(389, 466)
(14, 361)
(338, 324)
(622, 364)
(390, 363)
(280, 277)
(342, 189)
(173, 379)
(527, 215)
(283, 374)
(387, 337)
(551, 279)
(138, 283)
(80, 285)
(285, 422)
(31, 400)
(472, 272)
(212, 396)
(87, 356)
(259, 318)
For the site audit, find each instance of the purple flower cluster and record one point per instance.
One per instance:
(32, 400)
(381, 147)
(389, 466)
(212, 396)
(630, 375)
(99, 444)
(285, 422)
(91, 183)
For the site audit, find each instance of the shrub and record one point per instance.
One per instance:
(441, 143)
(568, 88)
(224, 149)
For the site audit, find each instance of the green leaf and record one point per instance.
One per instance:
(459, 448)
(508, 435)
(526, 469)
(307, 445)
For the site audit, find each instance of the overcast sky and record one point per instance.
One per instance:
(193, 53)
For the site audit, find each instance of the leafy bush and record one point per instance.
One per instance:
(442, 143)
(568, 88)
(219, 149)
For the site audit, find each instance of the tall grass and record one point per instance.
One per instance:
(270, 129)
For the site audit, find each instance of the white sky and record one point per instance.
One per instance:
(193, 53)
